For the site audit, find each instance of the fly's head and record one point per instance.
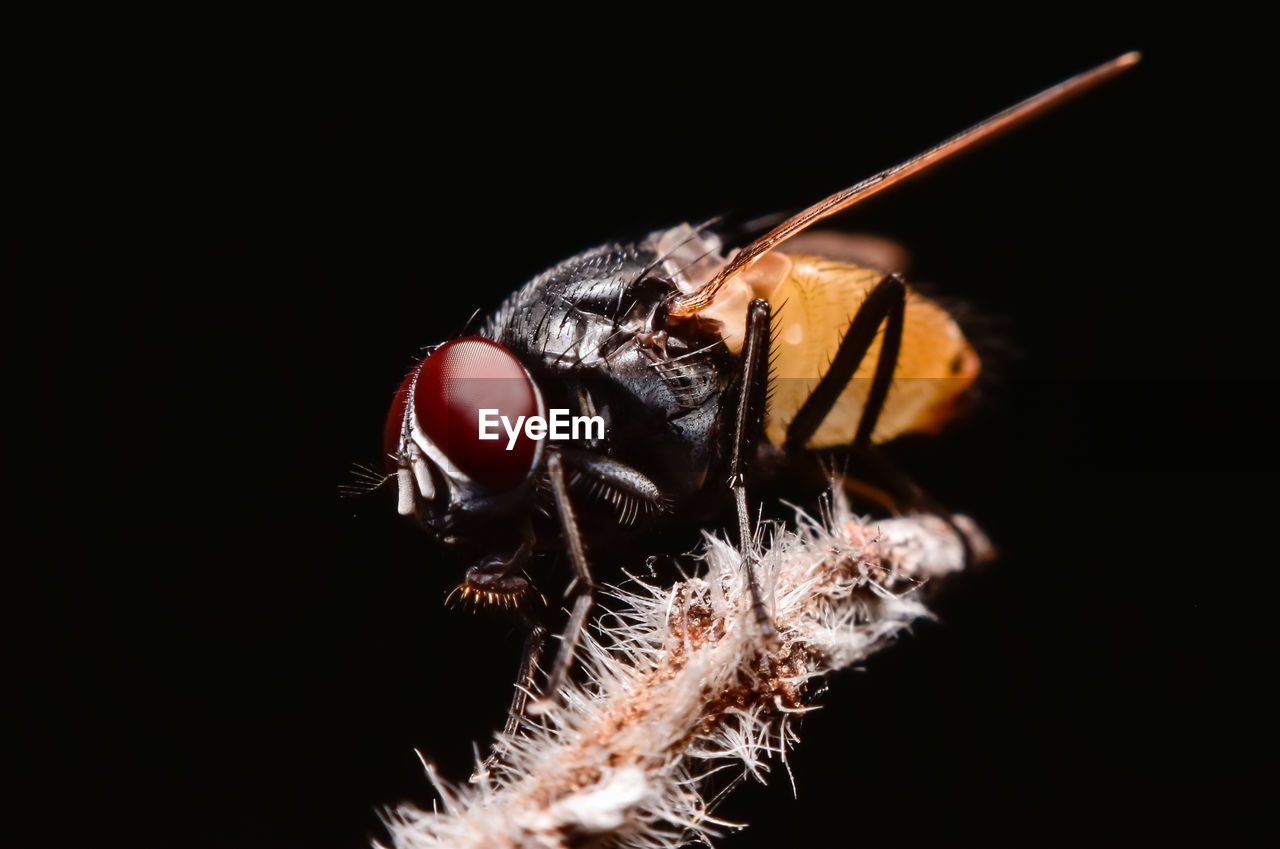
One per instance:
(453, 476)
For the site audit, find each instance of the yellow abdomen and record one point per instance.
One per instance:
(812, 308)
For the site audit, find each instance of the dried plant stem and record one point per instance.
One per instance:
(680, 686)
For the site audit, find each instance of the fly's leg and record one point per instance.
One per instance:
(623, 478)
(535, 640)
(499, 579)
(870, 492)
(748, 426)
(909, 494)
(644, 493)
(582, 583)
(886, 304)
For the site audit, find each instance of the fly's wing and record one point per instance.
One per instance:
(860, 249)
(693, 303)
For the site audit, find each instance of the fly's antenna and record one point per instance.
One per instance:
(471, 323)
(362, 479)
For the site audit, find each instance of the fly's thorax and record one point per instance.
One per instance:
(592, 334)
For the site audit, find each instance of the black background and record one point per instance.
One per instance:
(251, 240)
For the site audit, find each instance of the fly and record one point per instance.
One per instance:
(691, 365)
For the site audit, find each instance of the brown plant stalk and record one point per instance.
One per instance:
(679, 685)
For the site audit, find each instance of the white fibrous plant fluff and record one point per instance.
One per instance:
(680, 684)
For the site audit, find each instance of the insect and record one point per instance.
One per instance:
(689, 367)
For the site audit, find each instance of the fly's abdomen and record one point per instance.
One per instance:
(814, 300)
(813, 305)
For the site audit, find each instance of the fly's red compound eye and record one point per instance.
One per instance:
(395, 421)
(456, 382)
